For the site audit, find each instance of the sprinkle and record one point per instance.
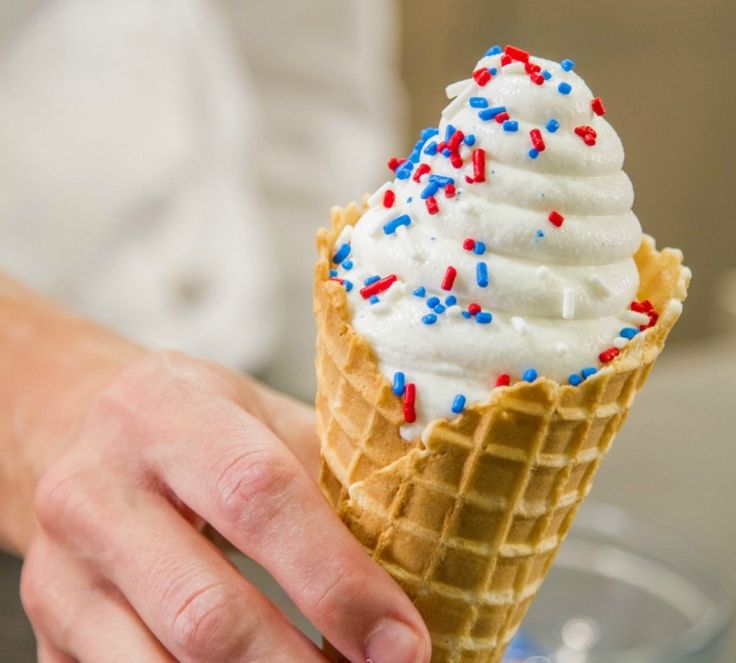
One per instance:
(466, 314)
(599, 285)
(519, 324)
(431, 203)
(537, 140)
(441, 180)
(422, 169)
(334, 278)
(449, 279)
(574, 379)
(503, 380)
(342, 253)
(481, 274)
(450, 191)
(479, 249)
(609, 355)
(420, 291)
(516, 53)
(568, 303)
(474, 309)
(483, 317)
(404, 173)
(564, 88)
(431, 149)
(555, 218)
(449, 131)
(597, 106)
(390, 227)
(537, 79)
(567, 64)
(439, 309)
(479, 165)
(494, 50)
(395, 162)
(454, 142)
(433, 301)
(389, 198)
(628, 332)
(458, 404)
(533, 153)
(469, 244)
(429, 319)
(653, 317)
(450, 300)
(456, 160)
(373, 299)
(552, 126)
(620, 342)
(530, 375)
(347, 265)
(348, 285)
(546, 75)
(429, 132)
(378, 287)
(588, 372)
(491, 113)
(505, 59)
(510, 126)
(539, 233)
(469, 140)
(636, 318)
(502, 117)
(429, 190)
(332, 273)
(478, 102)
(372, 279)
(403, 234)
(410, 393)
(641, 307)
(481, 76)
(532, 68)
(587, 133)
(452, 109)
(399, 383)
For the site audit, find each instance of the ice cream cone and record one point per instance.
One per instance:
(469, 518)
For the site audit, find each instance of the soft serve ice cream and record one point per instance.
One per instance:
(502, 250)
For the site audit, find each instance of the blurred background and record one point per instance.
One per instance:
(164, 165)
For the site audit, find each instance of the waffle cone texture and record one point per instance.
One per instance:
(469, 518)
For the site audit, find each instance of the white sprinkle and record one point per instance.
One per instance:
(406, 288)
(514, 68)
(599, 285)
(385, 300)
(636, 318)
(519, 324)
(568, 303)
(376, 198)
(407, 242)
(345, 236)
(543, 272)
(561, 348)
(453, 89)
(619, 342)
(454, 312)
(449, 111)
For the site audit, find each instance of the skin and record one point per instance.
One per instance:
(113, 459)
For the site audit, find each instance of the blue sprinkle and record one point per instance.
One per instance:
(466, 314)
(478, 102)
(347, 265)
(546, 75)
(458, 404)
(429, 190)
(567, 64)
(448, 132)
(409, 199)
(587, 372)
(628, 332)
(492, 70)
(533, 153)
(429, 132)
(373, 299)
(433, 301)
(431, 149)
(530, 375)
(342, 253)
(399, 383)
(333, 273)
(481, 274)
(390, 227)
(483, 317)
(439, 309)
(552, 126)
(469, 140)
(564, 88)
(450, 300)
(510, 125)
(429, 319)
(446, 152)
(490, 113)
(441, 180)
(494, 50)
(420, 291)
(348, 285)
(480, 248)
(574, 380)
(372, 279)
(403, 174)
(539, 233)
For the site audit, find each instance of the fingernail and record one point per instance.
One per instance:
(393, 642)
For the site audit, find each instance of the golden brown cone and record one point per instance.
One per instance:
(469, 519)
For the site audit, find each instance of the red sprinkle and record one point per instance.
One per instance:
(532, 68)
(340, 281)
(450, 191)
(503, 380)
(474, 308)
(449, 279)
(395, 162)
(653, 317)
(641, 307)
(456, 160)
(597, 106)
(389, 198)
(481, 76)
(502, 117)
(422, 169)
(479, 165)
(469, 244)
(410, 394)
(505, 59)
(587, 133)
(441, 147)
(537, 79)
(455, 140)
(555, 218)
(516, 53)
(609, 355)
(431, 203)
(537, 140)
(378, 286)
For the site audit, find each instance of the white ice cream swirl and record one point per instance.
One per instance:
(558, 295)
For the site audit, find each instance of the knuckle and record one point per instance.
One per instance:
(342, 585)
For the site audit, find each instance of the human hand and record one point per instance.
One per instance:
(119, 571)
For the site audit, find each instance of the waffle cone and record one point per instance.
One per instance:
(469, 518)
